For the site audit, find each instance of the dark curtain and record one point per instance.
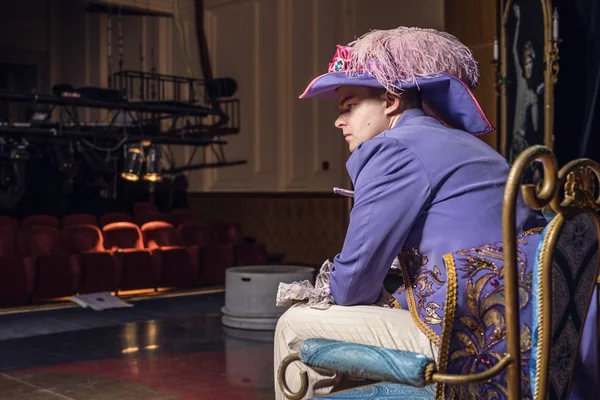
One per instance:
(577, 105)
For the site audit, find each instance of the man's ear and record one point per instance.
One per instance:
(393, 104)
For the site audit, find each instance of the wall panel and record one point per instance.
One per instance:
(274, 49)
(474, 23)
(235, 37)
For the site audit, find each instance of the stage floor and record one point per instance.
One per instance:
(163, 348)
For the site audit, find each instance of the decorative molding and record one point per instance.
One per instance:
(284, 80)
(257, 87)
(238, 15)
(318, 69)
(214, 4)
(162, 6)
(299, 136)
(327, 140)
(89, 42)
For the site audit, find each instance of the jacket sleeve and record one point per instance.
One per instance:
(391, 188)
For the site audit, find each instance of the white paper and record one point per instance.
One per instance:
(99, 301)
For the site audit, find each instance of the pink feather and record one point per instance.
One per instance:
(402, 54)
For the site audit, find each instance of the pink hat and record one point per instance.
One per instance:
(438, 64)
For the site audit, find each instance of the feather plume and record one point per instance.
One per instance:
(398, 56)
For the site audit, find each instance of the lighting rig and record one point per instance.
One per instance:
(142, 111)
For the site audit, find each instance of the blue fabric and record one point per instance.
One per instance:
(535, 302)
(385, 390)
(574, 273)
(549, 215)
(367, 362)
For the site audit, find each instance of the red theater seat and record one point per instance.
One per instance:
(98, 270)
(11, 223)
(55, 274)
(41, 220)
(178, 217)
(79, 219)
(16, 281)
(150, 216)
(114, 217)
(179, 268)
(140, 269)
(212, 259)
(245, 253)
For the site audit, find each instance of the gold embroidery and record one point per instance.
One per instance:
(485, 311)
(413, 308)
(449, 312)
(395, 304)
(532, 231)
(409, 257)
(423, 284)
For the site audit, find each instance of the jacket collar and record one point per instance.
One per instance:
(409, 115)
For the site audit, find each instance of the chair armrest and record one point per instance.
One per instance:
(368, 362)
(374, 363)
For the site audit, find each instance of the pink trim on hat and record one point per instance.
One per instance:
(481, 113)
(311, 84)
(350, 81)
(478, 106)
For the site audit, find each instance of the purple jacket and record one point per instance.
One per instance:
(421, 185)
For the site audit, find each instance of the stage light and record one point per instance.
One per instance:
(133, 164)
(153, 165)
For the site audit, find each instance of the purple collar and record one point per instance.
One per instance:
(409, 115)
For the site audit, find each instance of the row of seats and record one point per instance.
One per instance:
(40, 261)
(175, 217)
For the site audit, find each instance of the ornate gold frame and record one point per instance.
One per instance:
(551, 69)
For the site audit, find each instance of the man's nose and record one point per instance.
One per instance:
(339, 122)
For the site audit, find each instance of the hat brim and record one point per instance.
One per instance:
(444, 97)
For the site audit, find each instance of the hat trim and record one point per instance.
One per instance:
(474, 101)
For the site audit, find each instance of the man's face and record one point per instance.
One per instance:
(362, 114)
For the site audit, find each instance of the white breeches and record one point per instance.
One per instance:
(370, 325)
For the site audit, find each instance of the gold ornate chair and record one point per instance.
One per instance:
(539, 362)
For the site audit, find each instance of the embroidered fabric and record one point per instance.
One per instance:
(319, 295)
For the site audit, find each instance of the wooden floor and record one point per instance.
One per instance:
(163, 348)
